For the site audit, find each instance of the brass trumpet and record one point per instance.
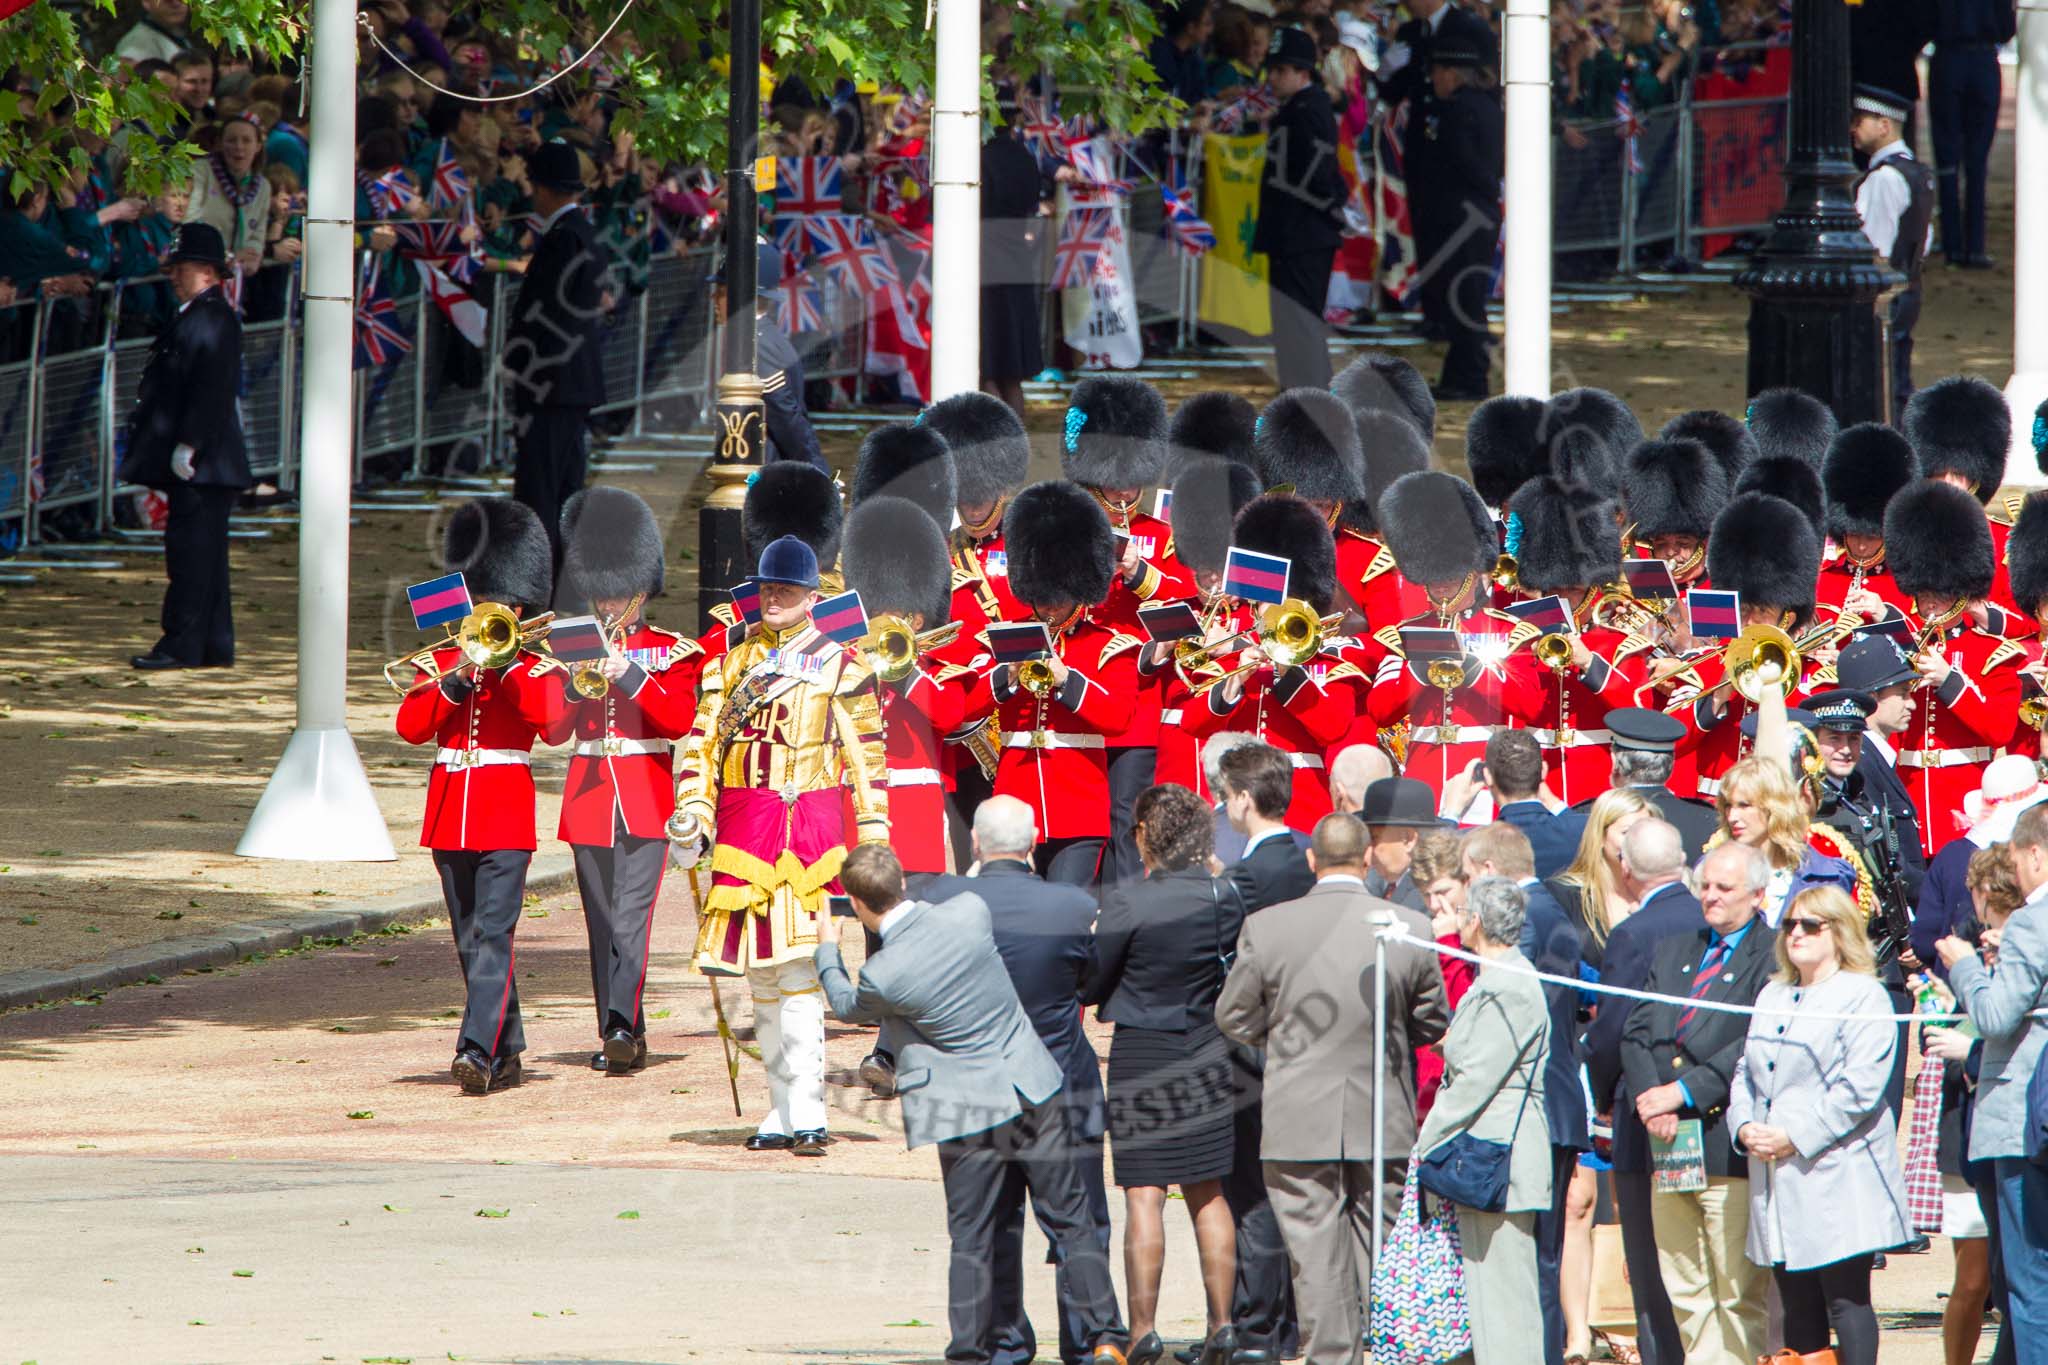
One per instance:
(2034, 712)
(1035, 677)
(1506, 574)
(587, 678)
(894, 647)
(491, 636)
(1554, 650)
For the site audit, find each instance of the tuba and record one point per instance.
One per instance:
(489, 637)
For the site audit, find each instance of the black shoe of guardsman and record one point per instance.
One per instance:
(770, 1142)
(810, 1142)
(506, 1072)
(623, 1052)
(472, 1071)
(878, 1074)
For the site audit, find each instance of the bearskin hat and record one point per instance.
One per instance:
(1206, 499)
(1504, 446)
(906, 461)
(1936, 541)
(1591, 412)
(1378, 382)
(502, 552)
(1437, 527)
(1285, 525)
(1393, 447)
(896, 559)
(1059, 544)
(1217, 423)
(1308, 442)
(792, 498)
(991, 452)
(1794, 480)
(1792, 422)
(1864, 470)
(611, 545)
(1116, 433)
(1582, 460)
(1767, 550)
(1728, 440)
(1961, 424)
(2026, 554)
(1674, 488)
(1564, 537)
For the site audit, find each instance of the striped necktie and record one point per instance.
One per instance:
(1703, 982)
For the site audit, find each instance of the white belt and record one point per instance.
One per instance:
(616, 746)
(913, 777)
(1942, 758)
(1169, 717)
(1549, 740)
(1304, 760)
(459, 759)
(1049, 739)
(1452, 734)
(1708, 786)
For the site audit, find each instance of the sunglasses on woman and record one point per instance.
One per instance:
(1806, 925)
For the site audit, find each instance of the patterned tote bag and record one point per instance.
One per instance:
(1419, 1312)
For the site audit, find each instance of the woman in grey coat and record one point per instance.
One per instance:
(1808, 1106)
(1493, 1089)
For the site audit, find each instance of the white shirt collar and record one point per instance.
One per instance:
(1872, 739)
(1436, 21)
(1258, 839)
(1340, 878)
(556, 216)
(2040, 895)
(1896, 147)
(893, 918)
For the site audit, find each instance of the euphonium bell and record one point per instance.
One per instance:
(1759, 658)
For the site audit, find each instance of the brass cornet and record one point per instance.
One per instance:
(587, 678)
(1035, 677)
(1554, 650)
(1506, 574)
(491, 636)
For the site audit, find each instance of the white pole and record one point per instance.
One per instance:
(956, 202)
(1382, 924)
(1525, 44)
(318, 806)
(2029, 384)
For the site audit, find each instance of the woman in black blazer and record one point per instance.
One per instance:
(1162, 947)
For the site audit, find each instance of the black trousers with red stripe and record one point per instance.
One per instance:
(484, 892)
(619, 885)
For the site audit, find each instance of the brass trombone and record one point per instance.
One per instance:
(1764, 656)
(489, 637)
(1289, 634)
(894, 647)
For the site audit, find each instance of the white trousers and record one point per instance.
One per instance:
(789, 1024)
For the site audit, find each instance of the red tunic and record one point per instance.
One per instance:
(1162, 578)
(1838, 576)
(916, 713)
(1959, 728)
(1365, 570)
(623, 763)
(1301, 711)
(1504, 692)
(1571, 726)
(480, 796)
(1054, 757)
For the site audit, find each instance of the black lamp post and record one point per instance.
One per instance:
(721, 558)
(1817, 286)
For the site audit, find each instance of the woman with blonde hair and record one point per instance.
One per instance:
(1808, 1107)
(1762, 806)
(1589, 888)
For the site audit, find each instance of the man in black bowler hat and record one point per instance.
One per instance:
(1645, 748)
(1396, 812)
(185, 440)
(553, 354)
(1301, 211)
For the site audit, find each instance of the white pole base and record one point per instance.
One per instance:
(2024, 393)
(318, 807)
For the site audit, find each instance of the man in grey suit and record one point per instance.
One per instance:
(975, 1079)
(1302, 989)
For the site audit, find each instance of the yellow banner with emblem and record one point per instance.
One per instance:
(1233, 275)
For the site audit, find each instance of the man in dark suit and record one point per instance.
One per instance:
(1301, 211)
(1257, 784)
(1653, 876)
(1645, 751)
(1042, 930)
(1679, 1062)
(185, 440)
(1396, 812)
(1514, 773)
(1552, 945)
(553, 353)
(975, 1079)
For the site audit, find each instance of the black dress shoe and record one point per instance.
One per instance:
(506, 1072)
(1145, 1349)
(623, 1052)
(770, 1142)
(153, 661)
(472, 1070)
(597, 1061)
(878, 1074)
(810, 1142)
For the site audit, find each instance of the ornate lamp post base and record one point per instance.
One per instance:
(721, 552)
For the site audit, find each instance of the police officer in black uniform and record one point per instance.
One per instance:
(1459, 198)
(1896, 201)
(1301, 211)
(1963, 89)
(777, 364)
(554, 352)
(1644, 748)
(185, 439)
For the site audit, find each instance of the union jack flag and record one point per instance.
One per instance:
(1040, 131)
(1399, 272)
(1629, 128)
(847, 248)
(803, 306)
(1250, 107)
(378, 337)
(1096, 162)
(908, 110)
(808, 187)
(439, 244)
(1190, 232)
(1077, 258)
(451, 183)
(793, 237)
(392, 193)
